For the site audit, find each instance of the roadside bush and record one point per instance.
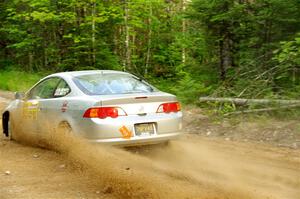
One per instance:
(18, 80)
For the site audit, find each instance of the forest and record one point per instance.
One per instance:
(192, 48)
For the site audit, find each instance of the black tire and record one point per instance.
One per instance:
(7, 126)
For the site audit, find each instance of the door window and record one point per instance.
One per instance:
(45, 89)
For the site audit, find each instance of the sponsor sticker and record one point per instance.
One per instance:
(125, 132)
(64, 106)
(61, 92)
(30, 110)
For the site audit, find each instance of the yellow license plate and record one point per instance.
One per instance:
(144, 129)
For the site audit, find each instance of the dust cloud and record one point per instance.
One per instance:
(187, 168)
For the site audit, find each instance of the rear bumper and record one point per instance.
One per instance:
(94, 129)
(138, 140)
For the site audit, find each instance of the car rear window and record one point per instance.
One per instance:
(107, 84)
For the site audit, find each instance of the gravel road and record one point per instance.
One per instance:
(195, 166)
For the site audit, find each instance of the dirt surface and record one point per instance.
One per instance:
(207, 162)
(283, 131)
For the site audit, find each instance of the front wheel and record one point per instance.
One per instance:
(10, 132)
(65, 128)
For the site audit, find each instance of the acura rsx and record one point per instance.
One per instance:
(101, 106)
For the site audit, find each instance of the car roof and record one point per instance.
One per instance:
(86, 72)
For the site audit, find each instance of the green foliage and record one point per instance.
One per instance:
(184, 86)
(287, 58)
(288, 55)
(188, 89)
(222, 48)
(18, 80)
(243, 36)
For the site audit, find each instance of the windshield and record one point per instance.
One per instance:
(106, 84)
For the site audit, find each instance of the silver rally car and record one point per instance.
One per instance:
(102, 106)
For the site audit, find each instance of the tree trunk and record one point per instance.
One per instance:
(263, 110)
(149, 40)
(127, 63)
(183, 50)
(45, 55)
(30, 60)
(221, 65)
(93, 34)
(242, 101)
(226, 52)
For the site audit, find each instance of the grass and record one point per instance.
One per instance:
(18, 80)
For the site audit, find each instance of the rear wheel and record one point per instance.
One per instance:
(65, 128)
(60, 137)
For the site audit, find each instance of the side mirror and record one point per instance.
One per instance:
(19, 95)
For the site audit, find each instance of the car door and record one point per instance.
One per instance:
(29, 116)
(53, 107)
(34, 108)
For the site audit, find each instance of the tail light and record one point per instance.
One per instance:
(104, 112)
(169, 107)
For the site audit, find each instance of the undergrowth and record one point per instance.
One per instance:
(18, 80)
